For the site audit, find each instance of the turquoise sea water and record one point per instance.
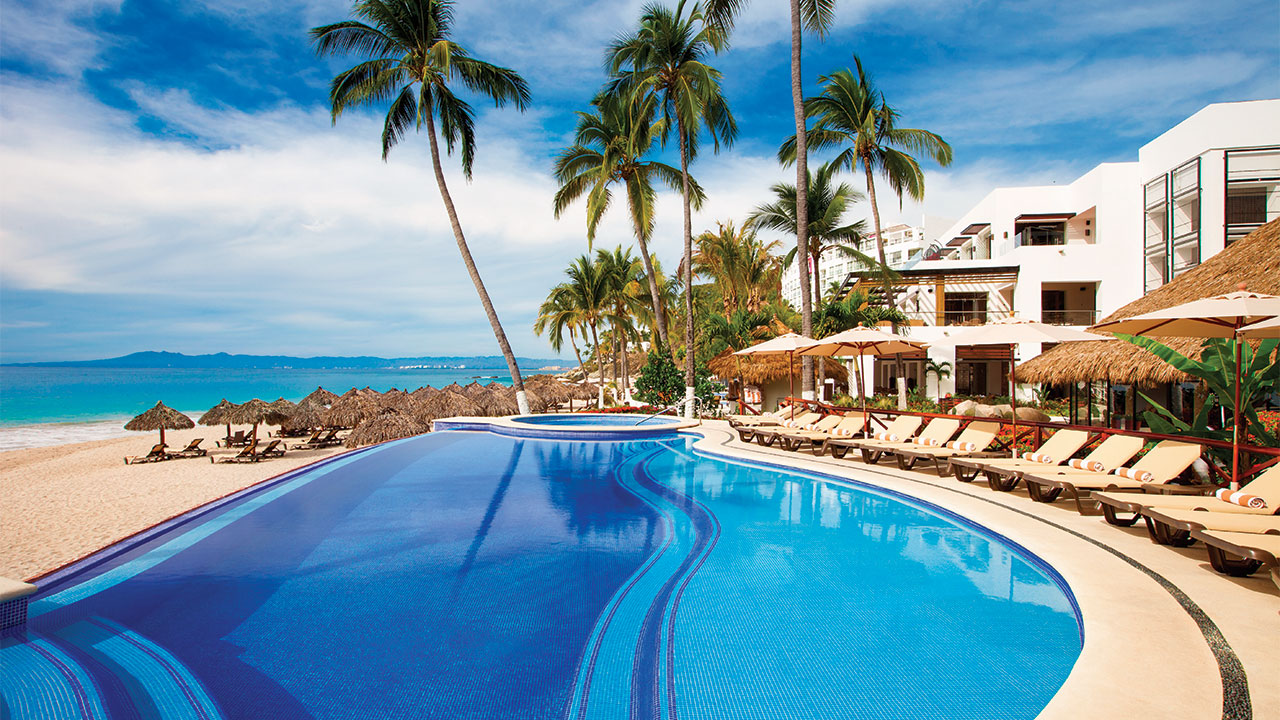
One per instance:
(46, 406)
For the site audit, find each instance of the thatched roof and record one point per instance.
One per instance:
(764, 369)
(1253, 260)
(158, 417)
(308, 415)
(351, 408)
(450, 404)
(252, 413)
(320, 397)
(388, 424)
(219, 414)
(282, 410)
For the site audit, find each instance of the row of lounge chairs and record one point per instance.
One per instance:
(1242, 531)
(160, 452)
(251, 452)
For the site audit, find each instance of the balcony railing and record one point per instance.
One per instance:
(1068, 317)
(981, 317)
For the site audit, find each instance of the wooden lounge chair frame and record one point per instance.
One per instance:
(939, 429)
(275, 448)
(765, 436)
(192, 450)
(249, 453)
(817, 439)
(157, 454)
(239, 439)
(1173, 527)
(1112, 453)
(792, 438)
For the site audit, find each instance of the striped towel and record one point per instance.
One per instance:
(962, 446)
(1139, 475)
(886, 436)
(811, 426)
(789, 423)
(1090, 465)
(927, 442)
(842, 432)
(1242, 499)
(1039, 457)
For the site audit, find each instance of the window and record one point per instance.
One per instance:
(1253, 190)
(963, 308)
(1156, 231)
(1041, 234)
(1185, 211)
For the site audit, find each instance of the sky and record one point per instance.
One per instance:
(170, 178)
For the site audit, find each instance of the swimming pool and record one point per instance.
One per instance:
(580, 419)
(474, 575)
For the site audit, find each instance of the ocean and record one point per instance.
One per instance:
(51, 406)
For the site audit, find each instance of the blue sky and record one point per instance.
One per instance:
(170, 179)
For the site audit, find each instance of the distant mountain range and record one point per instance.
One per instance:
(154, 359)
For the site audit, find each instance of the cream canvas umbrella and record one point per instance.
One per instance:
(859, 342)
(788, 344)
(1220, 316)
(1265, 330)
(1013, 331)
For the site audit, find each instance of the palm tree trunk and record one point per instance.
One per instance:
(659, 315)
(599, 369)
(581, 366)
(688, 272)
(802, 195)
(626, 373)
(613, 350)
(888, 284)
(522, 400)
(820, 366)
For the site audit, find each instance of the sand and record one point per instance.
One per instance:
(59, 504)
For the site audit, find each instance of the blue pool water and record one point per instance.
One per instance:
(579, 419)
(472, 575)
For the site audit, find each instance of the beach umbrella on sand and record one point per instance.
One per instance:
(251, 413)
(282, 410)
(320, 397)
(1220, 316)
(1013, 331)
(451, 404)
(161, 417)
(307, 416)
(351, 408)
(859, 342)
(219, 414)
(788, 344)
(388, 424)
(424, 392)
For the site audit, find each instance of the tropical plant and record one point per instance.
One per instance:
(742, 267)
(1216, 368)
(588, 291)
(938, 369)
(610, 145)
(851, 113)
(412, 63)
(623, 270)
(828, 203)
(664, 58)
(816, 17)
(736, 332)
(661, 383)
(557, 316)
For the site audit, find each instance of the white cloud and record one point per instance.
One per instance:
(51, 34)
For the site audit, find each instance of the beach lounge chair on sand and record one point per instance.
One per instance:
(1046, 485)
(1173, 527)
(1266, 486)
(1003, 474)
(156, 455)
(275, 448)
(897, 431)
(848, 425)
(1153, 473)
(1240, 554)
(192, 449)
(937, 432)
(239, 439)
(248, 453)
(973, 442)
(764, 435)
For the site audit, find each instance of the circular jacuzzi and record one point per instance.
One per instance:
(598, 419)
(573, 426)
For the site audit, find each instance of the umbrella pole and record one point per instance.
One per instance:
(862, 385)
(1013, 397)
(1237, 400)
(1235, 424)
(791, 381)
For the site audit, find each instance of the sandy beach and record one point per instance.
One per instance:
(59, 504)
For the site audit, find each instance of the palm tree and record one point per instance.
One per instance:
(737, 331)
(740, 264)
(610, 145)
(939, 369)
(622, 269)
(851, 112)
(853, 310)
(664, 58)
(588, 290)
(558, 315)
(411, 63)
(828, 203)
(814, 16)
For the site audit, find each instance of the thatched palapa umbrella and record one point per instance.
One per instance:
(161, 417)
(251, 413)
(451, 404)
(219, 414)
(388, 424)
(352, 408)
(307, 416)
(281, 411)
(320, 397)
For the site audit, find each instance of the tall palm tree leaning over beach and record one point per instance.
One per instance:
(851, 112)
(609, 147)
(411, 63)
(664, 57)
(814, 16)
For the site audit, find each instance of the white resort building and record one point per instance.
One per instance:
(1069, 254)
(902, 242)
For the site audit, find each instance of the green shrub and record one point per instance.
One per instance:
(661, 383)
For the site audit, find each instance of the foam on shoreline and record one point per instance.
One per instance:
(19, 437)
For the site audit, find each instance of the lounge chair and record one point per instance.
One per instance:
(746, 432)
(901, 428)
(1003, 474)
(937, 432)
(786, 436)
(770, 418)
(248, 453)
(156, 455)
(1265, 486)
(849, 425)
(1240, 554)
(275, 448)
(973, 442)
(1173, 527)
(766, 435)
(239, 439)
(1159, 467)
(1046, 485)
(192, 449)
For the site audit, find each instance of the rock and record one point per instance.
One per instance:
(1031, 414)
(984, 411)
(965, 408)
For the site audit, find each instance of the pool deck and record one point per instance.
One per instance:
(1165, 635)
